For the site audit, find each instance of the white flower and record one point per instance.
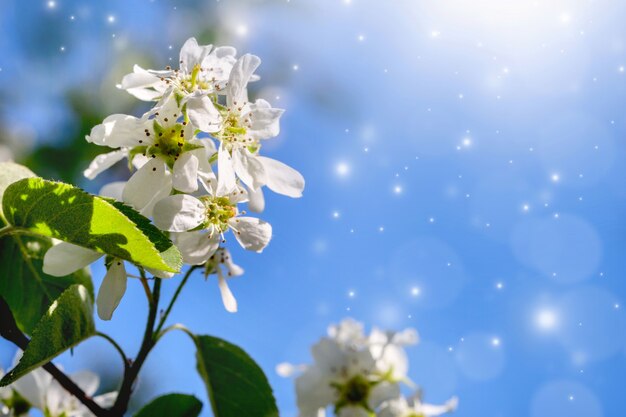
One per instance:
(344, 377)
(167, 139)
(46, 394)
(244, 125)
(414, 407)
(202, 69)
(206, 219)
(353, 372)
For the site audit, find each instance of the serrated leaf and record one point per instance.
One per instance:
(23, 284)
(236, 385)
(172, 405)
(68, 321)
(70, 214)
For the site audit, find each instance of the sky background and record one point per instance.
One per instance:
(464, 177)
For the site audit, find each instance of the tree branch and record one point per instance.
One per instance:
(123, 397)
(10, 331)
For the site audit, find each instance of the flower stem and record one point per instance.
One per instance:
(117, 347)
(146, 287)
(174, 298)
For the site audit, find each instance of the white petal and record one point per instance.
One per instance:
(87, 381)
(33, 387)
(118, 130)
(179, 213)
(239, 78)
(142, 84)
(313, 391)
(256, 200)
(281, 178)
(227, 296)
(203, 114)
(104, 400)
(248, 168)
(139, 190)
(226, 181)
(163, 190)
(191, 54)
(64, 258)
(113, 190)
(251, 233)
(185, 177)
(265, 120)
(103, 162)
(112, 290)
(196, 247)
(382, 392)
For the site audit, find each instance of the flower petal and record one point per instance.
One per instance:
(111, 290)
(118, 130)
(265, 120)
(251, 233)
(226, 181)
(185, 177)
(281, 178)
(87, 381)
(139, 190)
(239, 78)
(192, 54)
(142, 84)
(256, 200)
(203, 114)
(64, 258)
(113, 190)
(179, 213)
(196, 247)
(103, 162)
(230, 303)
(248, 168)
(163, 190)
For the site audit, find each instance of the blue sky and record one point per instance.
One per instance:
(464, 177)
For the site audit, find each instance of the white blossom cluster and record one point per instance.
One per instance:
(197, 159)
(359, 375)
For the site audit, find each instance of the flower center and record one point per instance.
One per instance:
(234, 133)
(218, 211)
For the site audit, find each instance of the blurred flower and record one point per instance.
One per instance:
(39, 390)
(351, 372)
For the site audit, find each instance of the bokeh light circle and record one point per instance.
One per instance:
(565, 398)
(478, 358)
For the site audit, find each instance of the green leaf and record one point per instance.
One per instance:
(68, 322)
(24, 286)
(172, 405)
(70, 214)
(235, 383)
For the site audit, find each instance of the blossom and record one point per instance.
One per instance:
(166, 138)
(414, 407)
(202, 69)
(39, 390)
(243, 128)
(206, 219)
(350, 372)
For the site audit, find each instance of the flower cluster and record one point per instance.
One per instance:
(38, 390)
(197, 160)
(359, 375)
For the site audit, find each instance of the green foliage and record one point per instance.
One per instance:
(235, 383)
(70, 214)
(24, 286)
(172, 405)
(69, 321)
